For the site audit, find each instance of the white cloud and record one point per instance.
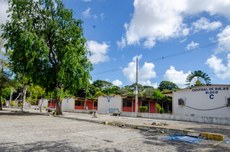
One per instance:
(122, 43)
(98, 51)
(205, 24)
(149, 43)
(146, 72)
(87, 14)
(156, 20)
(220, 69)
(177, 77)
(192, 45)
(117, 83)
(86, 0)
(223, 39)
(3, 9)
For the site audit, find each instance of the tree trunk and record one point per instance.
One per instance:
(24, 96)
(0, 103)
(11, 94)
(40, 106)
(58, 107)
(58, 102)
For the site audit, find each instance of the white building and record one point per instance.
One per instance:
(206, 101)
(68, 104)
(109, 104)
(43, 103)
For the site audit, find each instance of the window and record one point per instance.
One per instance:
(79, 103)
(145, 103)
(127, 103)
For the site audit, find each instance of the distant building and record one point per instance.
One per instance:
(109, 104)
(206, 101)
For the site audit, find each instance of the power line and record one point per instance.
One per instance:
(108, 71)
(162, 58)
(182, 52)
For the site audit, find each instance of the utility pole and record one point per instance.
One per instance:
(136, 90)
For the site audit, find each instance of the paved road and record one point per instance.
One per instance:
(31, 132)
(222, 129)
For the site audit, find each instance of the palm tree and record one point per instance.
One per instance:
(198, 75)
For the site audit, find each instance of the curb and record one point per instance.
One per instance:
(205, 135)
(213, 136)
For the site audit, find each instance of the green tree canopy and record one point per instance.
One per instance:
(102, 84)
(167, 85)
(47, 45)
(158, 95)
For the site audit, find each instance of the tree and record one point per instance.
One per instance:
(4, 82)
(167, 85)
(35, 92)
(198, 75)
(4, 74)
(102, 85)
(48, 46)
(158, 95)
(133, 87)
(148, 92)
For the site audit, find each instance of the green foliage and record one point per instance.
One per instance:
(99, 93)
(158, 95)
(159, 108)
(133, 87)
(143, 109)
(12, 103)
(198, 75)
(148, 92)
(102, 85)
(125, 92)
(6, 92)
(35, 92)
(48, 46)
(167, 85)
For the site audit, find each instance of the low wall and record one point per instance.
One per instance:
(209, 120)
(79, 111)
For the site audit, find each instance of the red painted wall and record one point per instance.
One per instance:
(127, 109)
(79, 107)
(152, 107)
(89, 104)
(51, 104)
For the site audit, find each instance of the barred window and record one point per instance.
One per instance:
(127, 103)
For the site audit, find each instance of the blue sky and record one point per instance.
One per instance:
(171, 39)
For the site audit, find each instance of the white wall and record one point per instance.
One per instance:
(114, 103)
(68, 104)
(43, 103)
(203, 98)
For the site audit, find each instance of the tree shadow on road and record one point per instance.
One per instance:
(158, 139)
(21, 113)
(50, 146)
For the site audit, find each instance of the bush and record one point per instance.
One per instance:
(159, 108)
(12, 103)
(143, 109)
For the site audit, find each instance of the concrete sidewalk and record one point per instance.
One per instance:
(209, 131)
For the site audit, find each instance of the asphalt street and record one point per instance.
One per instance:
(35, 132)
